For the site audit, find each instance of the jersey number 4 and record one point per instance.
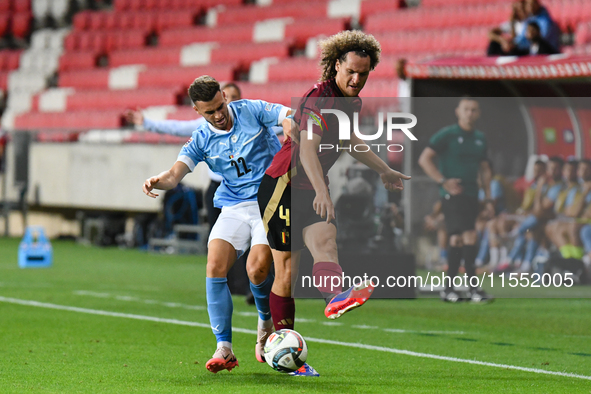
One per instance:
(237, 165)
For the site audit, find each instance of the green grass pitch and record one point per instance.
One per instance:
(125, 321)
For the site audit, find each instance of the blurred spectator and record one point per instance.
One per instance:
(548, 28)
(538, 45)
(536, 34)
(498, 228)
(3, 141)
(502, 37)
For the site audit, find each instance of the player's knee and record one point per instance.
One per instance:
(257, 269)
(216, 268)
(325, 243)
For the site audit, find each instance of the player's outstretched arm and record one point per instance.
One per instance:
(166, 180)
(322, 202)
(391, 179)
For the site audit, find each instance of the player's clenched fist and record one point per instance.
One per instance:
(149, 185)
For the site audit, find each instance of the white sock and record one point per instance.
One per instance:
(503, 255)
(494, 256)
(225, 344)
(265, 323)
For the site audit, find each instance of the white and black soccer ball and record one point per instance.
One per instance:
(286, 351)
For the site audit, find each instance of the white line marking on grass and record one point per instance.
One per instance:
(365, 327)
(129, 298)
(400, 331)
(308, 339)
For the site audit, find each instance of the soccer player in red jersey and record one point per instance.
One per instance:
(294, 191)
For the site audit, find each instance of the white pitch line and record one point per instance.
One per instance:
(308, 339)
(129, 298)
(400, 331)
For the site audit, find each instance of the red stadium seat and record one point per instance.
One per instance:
(110, 21)
(80, 20)
(213, 3)
(182, 77)
(112, 99)
(4, 23)
(302, 29)
(120, 5)
(172, 19)
(247, 53)
(183, 112)
(252, 13)
(146, 20)
(79, 120)
(21, 23)
(77, 60)
(295, 69)
(149, 56)
(4, 6)
(279, 92)
(21, 5)
(149, 4)
(372, 7)
(583, 34)
(84, 79)
(222, 34)
(96, 20)
(11, 59)
(124, 20)
(4, 80)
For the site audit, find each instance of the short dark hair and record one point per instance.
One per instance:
(557, 159)
(467, 97)
(585, 161)
(203, 89)
(538, 162)
(534, 24)
(232, 85)
(572, 162)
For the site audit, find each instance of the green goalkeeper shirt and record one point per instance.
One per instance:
(460, 153)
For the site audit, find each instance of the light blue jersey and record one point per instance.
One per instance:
(240, 155)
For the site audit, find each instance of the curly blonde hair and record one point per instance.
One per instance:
(337, 46)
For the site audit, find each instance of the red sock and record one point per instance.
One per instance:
(328, 276)
(282, 311)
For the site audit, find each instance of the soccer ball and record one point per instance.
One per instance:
(286, 351)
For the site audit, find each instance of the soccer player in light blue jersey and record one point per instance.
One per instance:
(237, 142)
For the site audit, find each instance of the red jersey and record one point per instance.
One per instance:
(323, 95)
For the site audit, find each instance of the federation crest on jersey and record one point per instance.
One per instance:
(234, 138)
(317, 119)
(188, 142)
